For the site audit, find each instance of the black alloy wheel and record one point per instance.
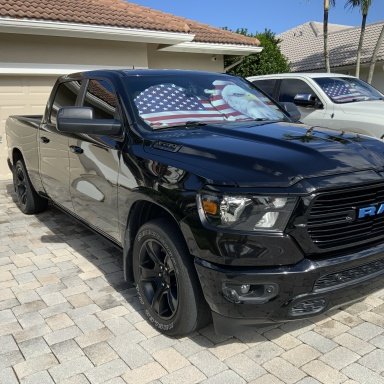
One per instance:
(29, 200)
(166, 280)
(20, 185)
(158, 279)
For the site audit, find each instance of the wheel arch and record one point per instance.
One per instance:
(16, 155)
(140, 213)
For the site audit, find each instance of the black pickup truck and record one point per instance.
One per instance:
(223, 206)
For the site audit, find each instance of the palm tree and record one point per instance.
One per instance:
(327, 4)
(374, 56)
(364, 6)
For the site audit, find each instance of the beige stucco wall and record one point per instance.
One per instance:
(70, 51)
(378, 77)
(175, 60)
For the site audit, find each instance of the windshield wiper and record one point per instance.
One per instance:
(187, 124)
(191, 124)
(360, 100)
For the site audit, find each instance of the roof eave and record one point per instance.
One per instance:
(88, 31)
(212, 48)
(39, 69)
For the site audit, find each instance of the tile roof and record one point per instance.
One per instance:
(303, 45)
(117, 13)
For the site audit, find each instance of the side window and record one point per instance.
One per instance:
(291, 87)
(267, 86)
(101, 96)
(66, 95)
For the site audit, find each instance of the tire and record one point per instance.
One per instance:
(28, 200)
(166, 280)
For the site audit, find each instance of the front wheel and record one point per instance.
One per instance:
(28, 199)
(166, 280)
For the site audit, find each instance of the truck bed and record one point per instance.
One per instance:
(22, 135)
(29, 120)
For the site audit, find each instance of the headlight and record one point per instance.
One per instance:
(247, 213)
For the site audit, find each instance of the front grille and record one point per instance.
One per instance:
(350, 276)
(333, 221)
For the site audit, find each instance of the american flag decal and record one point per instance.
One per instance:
(165, 105)
(339, 91)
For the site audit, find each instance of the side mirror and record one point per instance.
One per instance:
(293, 111)
(80, 120)
(307, 100)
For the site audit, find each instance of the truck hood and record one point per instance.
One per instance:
(374, 107)
(265, 154)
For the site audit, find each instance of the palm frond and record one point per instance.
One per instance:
(364, 5)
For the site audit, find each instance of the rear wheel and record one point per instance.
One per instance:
(28, 199)
(166, 280)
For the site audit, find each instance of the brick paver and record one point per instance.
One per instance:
(67, 316)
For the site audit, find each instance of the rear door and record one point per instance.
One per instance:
(53, 145)
(94, 163)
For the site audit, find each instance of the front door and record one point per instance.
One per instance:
(94, 164)
(289, 88)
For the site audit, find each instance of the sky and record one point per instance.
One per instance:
(256, 15)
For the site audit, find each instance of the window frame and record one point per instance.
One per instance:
(119, 112)
(54, 94)
(275, 89)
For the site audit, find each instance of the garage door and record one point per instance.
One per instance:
(20, 95)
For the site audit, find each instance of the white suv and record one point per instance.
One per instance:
(334, 101)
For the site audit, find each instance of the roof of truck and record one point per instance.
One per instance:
(143, 72)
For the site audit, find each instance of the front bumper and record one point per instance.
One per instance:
(305, 289)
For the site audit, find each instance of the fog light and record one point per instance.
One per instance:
(250, 293)
(245, 288)
(231, 295)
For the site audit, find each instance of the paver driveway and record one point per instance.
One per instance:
(66, 316)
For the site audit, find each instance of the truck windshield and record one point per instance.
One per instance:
(347, 89)
(193, 99)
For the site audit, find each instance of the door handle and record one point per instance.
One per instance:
(44, 139)
(76, 149)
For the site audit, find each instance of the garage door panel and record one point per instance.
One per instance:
(21, 95)
(8, 91)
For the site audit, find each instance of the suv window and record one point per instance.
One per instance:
(267, 86)
(289, 88)
(101, 96)
(66, 96)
